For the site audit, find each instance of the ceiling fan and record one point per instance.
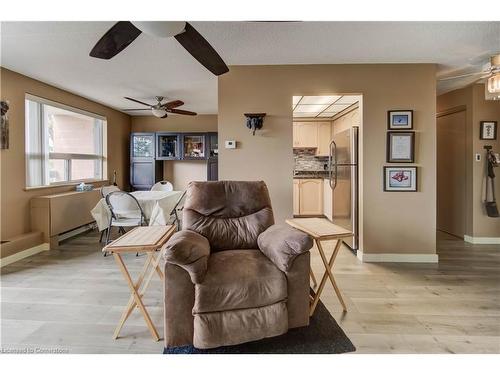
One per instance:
(490, 71)
(118, 37)
(161, 110)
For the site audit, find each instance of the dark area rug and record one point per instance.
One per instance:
(322, 336)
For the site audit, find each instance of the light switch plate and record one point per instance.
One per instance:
(230, 144)
(478, 157)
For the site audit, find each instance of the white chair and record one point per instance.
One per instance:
(162, 186)
(125, 212)
(105, 190)
(178, 208)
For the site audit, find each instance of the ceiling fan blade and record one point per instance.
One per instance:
(173, 104)
(136, 109)
(164, 116)
(462, 76)
(138, 101)
(115, 40)
(181, 112)
(201, 50)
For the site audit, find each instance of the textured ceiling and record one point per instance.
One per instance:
(57, 53)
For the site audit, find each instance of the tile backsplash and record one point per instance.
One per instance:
(305, 160)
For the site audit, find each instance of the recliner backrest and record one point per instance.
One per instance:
(230, 214)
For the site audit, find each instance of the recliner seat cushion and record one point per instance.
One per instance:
(239, 279)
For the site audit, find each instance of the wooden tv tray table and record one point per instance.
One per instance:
(321, 230)
(140, 240)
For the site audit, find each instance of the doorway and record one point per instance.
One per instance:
(451, 174)
(325, 150)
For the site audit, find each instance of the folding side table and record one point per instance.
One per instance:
(321, 230)
(140, 240)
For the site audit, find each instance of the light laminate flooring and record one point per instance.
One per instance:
(70, 300)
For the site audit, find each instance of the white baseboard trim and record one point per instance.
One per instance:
(24, 254)
(75, 232)
(397, 258)
(482, 240)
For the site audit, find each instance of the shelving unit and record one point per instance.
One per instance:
(149, 150)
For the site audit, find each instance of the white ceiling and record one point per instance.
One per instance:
(57, 53)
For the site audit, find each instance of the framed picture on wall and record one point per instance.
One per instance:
(488, 130)
(400, 179)
(400, 147)
(400, 119)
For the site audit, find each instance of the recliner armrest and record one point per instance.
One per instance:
(282, 244)
(189, 250)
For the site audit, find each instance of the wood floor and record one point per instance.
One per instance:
(71, 299)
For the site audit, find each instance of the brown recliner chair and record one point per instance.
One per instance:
(231, 275)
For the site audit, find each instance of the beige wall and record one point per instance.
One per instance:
(390, 222)
(181, 172)
(15, 215)
(175, 123)
(478, 224)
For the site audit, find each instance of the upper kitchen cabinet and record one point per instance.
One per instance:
(142, 146)
(194, 146)
(324, 138)
(167, 146)
(305, 135)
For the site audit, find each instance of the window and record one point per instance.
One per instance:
(63, 144)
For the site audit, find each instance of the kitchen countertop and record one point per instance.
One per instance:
(312, 175)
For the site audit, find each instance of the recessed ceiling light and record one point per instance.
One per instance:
(311, 108)
(303, 114)
(319, 99)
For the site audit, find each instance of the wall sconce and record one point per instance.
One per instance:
(255, 121)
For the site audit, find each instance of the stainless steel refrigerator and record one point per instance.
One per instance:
(343, 180)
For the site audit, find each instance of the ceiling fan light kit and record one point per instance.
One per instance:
(161, 110)
(494, 84)
(158, 112)
(160, 29)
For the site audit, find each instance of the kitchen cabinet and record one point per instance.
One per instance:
(305, 134)
(324, 138)
(296, 206)
(308, 197)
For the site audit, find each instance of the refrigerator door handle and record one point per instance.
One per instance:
(330, 165)
(333, 154)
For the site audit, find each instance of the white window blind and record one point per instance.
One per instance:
(63, 144)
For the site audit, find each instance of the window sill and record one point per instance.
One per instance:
(65, 184)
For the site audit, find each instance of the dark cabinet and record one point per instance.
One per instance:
(142, 146)
(194, 146)
(168, 146)
(212, 170)
(144, 174)
(145, 170)
(148, 150)
(212, 157)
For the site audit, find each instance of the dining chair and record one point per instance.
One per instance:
(125, 211)
(178, 208)
(105, 190)
(162, 186)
